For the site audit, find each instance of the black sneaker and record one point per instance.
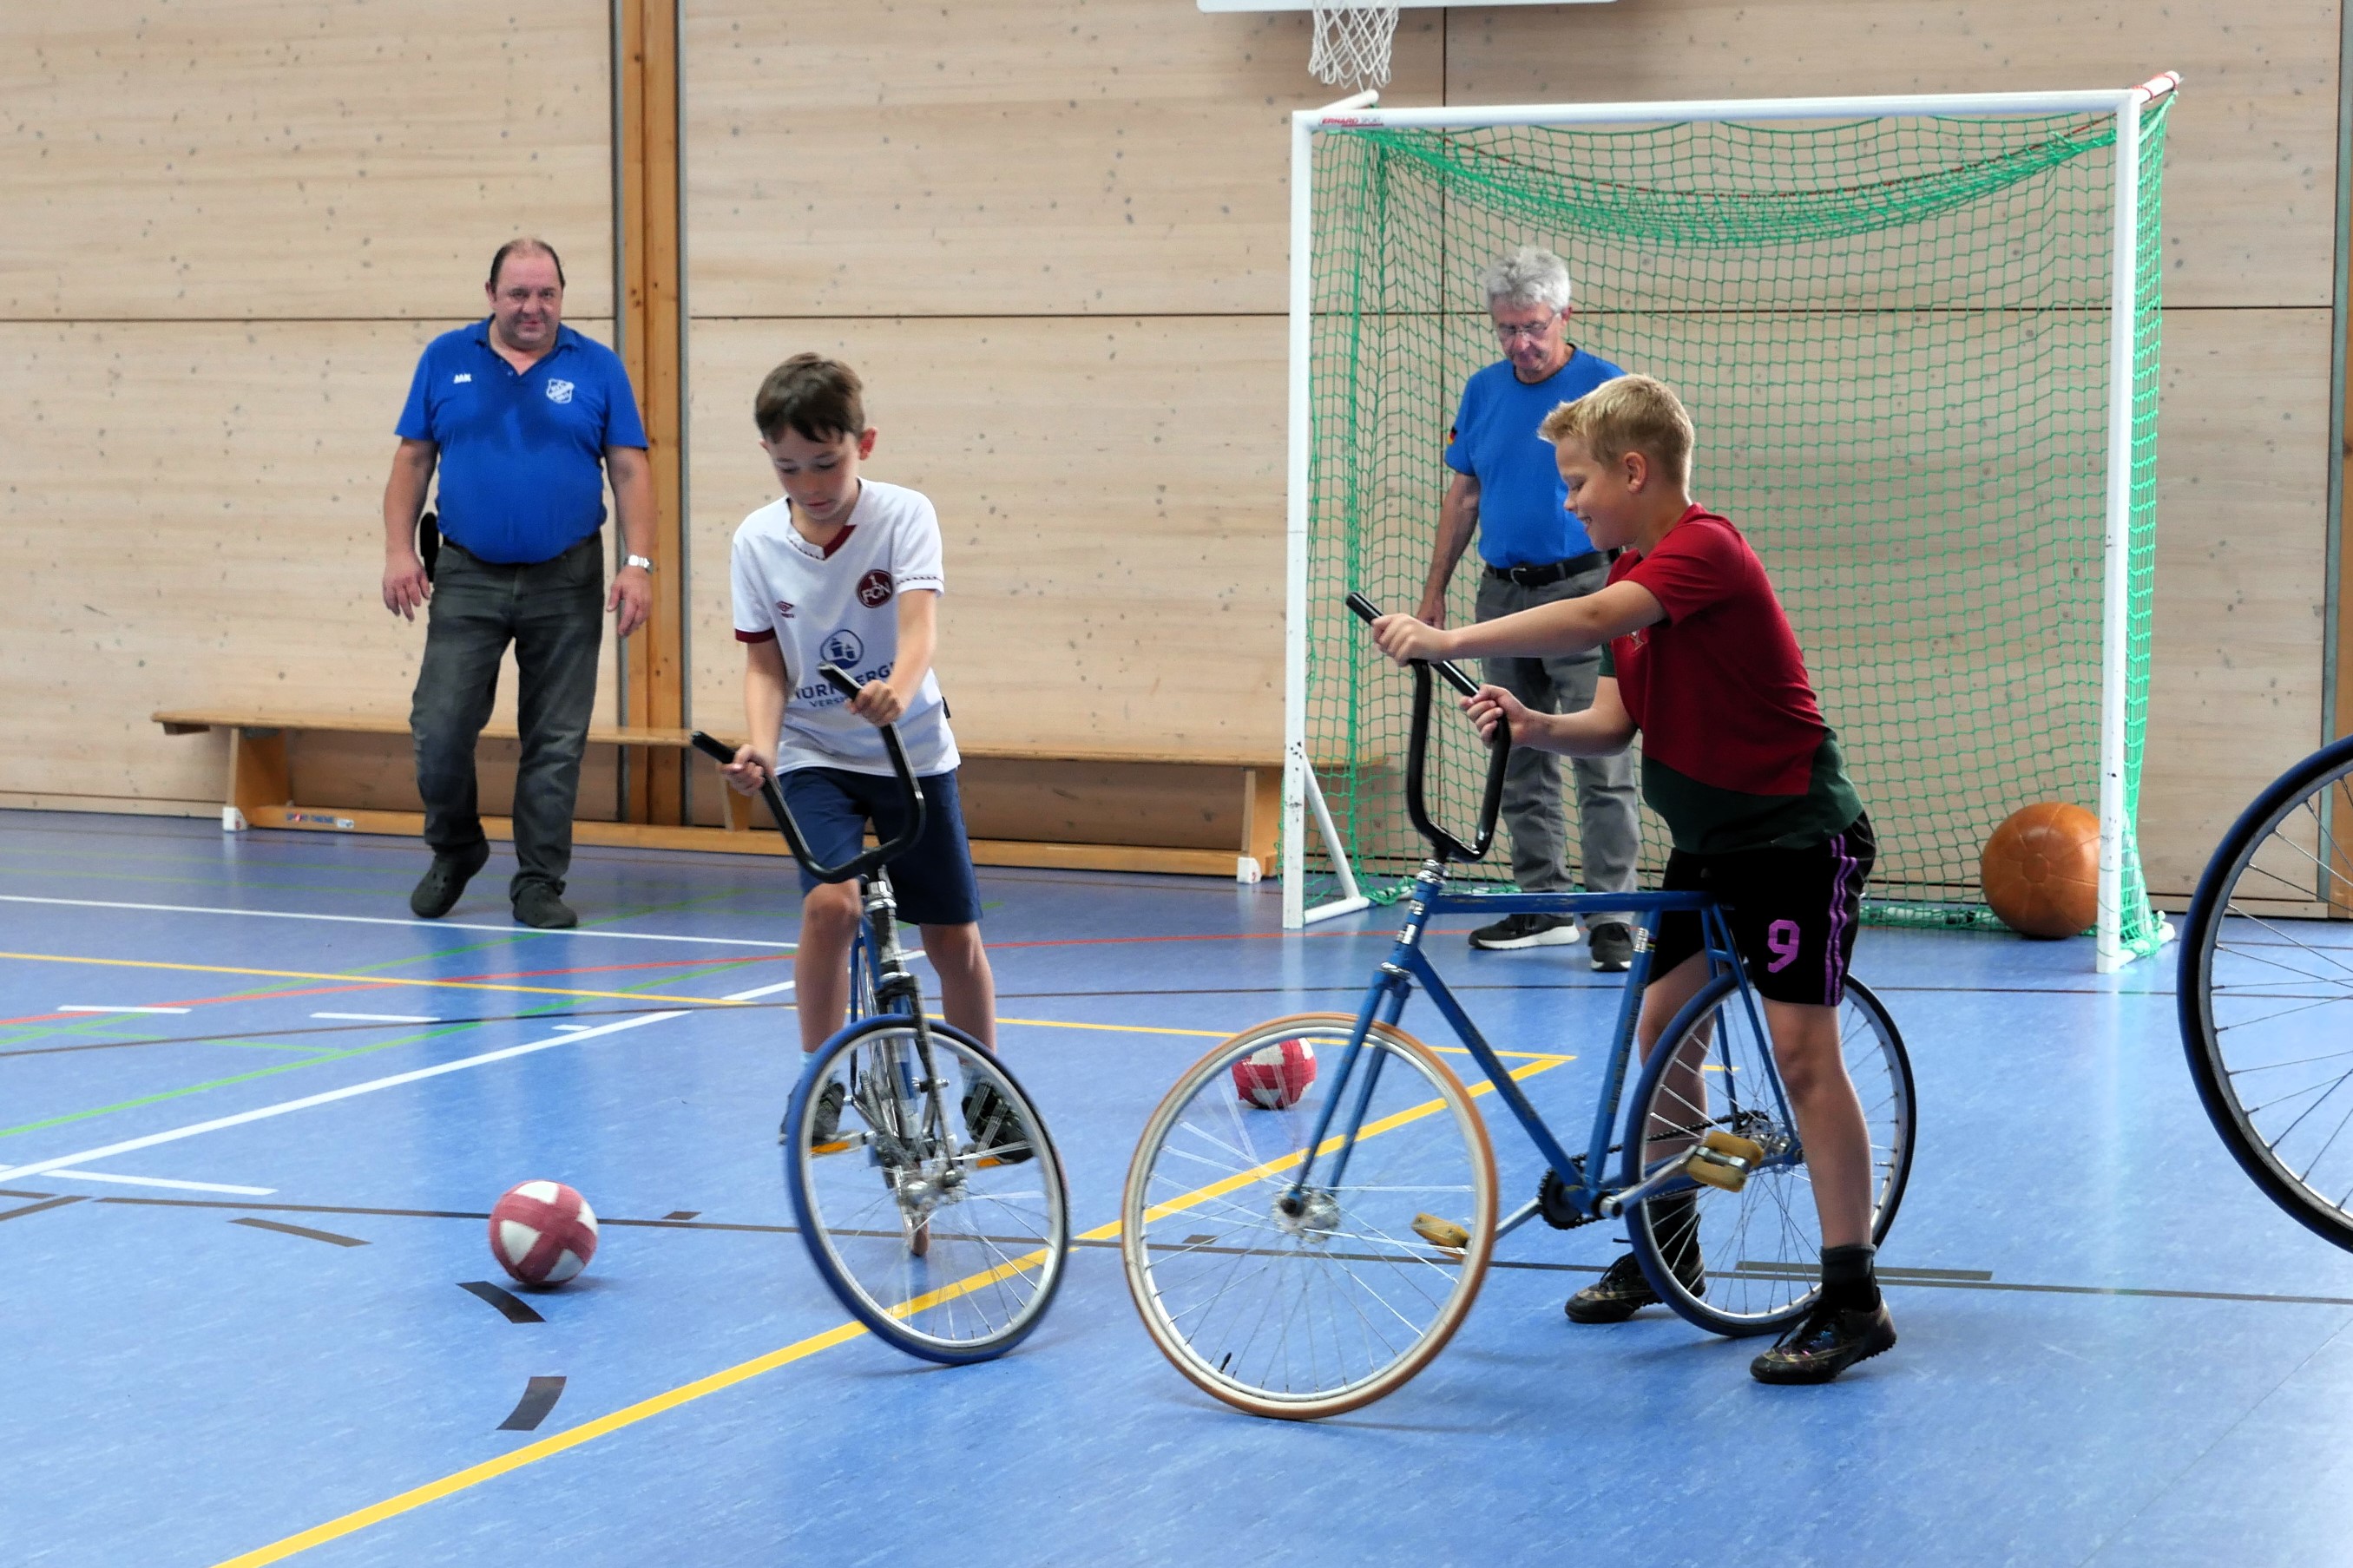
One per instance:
(1826, 1341)
(1515, 931)
(989, 1118)
(436, 893)
(1612, 946)
(828, 1125)
(1621, 1291)
(537, 904)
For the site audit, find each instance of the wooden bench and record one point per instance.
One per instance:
(261, 794)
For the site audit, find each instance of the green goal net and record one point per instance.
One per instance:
(1894, 335)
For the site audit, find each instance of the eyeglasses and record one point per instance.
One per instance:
(1505, 333)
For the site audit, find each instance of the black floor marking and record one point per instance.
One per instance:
(531, 1409)
(301, 1231)
(13, 1193)
(681, 1214)
(44, 1204)
(515, 1309)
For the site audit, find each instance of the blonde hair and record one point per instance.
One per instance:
(1628, 414)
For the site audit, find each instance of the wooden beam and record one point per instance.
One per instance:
(647, 248)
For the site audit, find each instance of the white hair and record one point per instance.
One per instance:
(1528, 276)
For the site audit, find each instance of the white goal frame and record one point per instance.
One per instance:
(1301, 793)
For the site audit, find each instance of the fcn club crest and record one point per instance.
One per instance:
(558, 391)
(874, 589)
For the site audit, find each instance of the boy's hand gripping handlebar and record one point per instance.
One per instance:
(858, 865)
(1444, 844)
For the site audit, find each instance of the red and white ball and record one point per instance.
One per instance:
(1274, 1077)
(543, 1233)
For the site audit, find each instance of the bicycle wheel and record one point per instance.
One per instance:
(1757, 1251)
(1309, 1307)
(2266, 960)
(946, 1242)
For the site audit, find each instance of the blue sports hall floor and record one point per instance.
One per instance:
(236, 1214)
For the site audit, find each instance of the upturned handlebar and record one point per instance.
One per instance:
(911, 793)
(1444, 844)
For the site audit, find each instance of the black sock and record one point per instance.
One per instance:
(1848, 1283)
(1674, 1225)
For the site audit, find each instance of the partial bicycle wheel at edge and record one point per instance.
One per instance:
(1749, 1262)
(952, 1253)
(2266, 992)
(1305, 1307)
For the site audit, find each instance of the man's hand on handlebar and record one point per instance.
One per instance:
(878, 703)
(748, 772)
(1494, 706)
(1405, 639)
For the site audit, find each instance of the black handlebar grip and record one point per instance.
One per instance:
(1368, 612)
(710, 746)
(840, 679)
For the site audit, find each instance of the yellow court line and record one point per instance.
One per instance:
(1220, 1187)
(630, 1416)
(374, 980)
(1228, 1033)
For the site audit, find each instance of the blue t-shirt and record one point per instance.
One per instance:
(1524, 516)
(522, 455)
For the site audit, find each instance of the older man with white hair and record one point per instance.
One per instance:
(1507, 490)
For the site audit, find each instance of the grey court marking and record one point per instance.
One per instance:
(383, 921)
(1925, 1279)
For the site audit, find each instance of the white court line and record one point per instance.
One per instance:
(380, 920)
(281, 1108)
(93, 1007)
(160, 1182)
(570, 1028)
(754, 995)
(379, 1017)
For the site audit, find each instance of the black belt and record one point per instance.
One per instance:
(1546, 573)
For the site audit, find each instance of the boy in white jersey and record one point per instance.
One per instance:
(846, 570)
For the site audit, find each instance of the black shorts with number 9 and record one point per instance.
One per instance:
(1793, 912)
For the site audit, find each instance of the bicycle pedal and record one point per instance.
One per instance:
(1716, 1168)
(1740, 1148)
(1441, 1233)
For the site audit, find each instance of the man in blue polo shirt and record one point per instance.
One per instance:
(1508, 490)
(525, 418)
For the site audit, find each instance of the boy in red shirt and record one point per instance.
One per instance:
(1700, 658)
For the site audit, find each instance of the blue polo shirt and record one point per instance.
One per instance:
(522, 455)
(1524, 516)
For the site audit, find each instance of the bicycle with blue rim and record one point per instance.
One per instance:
(1305, 1250)
(922, 1176)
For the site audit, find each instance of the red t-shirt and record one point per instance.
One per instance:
(1718, 689)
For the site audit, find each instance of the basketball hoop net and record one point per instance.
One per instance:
(1352, 43)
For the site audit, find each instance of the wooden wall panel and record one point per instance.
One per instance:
(2250, 174)
(987, 157)
(2241, 583)
(1110, 498)
(195, 509)
(297, 158)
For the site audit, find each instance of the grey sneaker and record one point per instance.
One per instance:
(437, 893)
(537, 904)
(988, 1117)
(1623, 1291)
(825, 1126)
(1612, 946)
(1515, 931)
(1825, 1342)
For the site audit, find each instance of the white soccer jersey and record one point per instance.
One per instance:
(839, 605)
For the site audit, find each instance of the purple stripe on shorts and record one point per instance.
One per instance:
(1832, 988)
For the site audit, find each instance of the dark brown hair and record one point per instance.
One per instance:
(820, 398)
(525, 246)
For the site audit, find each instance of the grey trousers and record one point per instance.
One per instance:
(553, 613)
(1610, 833)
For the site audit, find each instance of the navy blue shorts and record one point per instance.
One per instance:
(1793, 912)
(933, 880)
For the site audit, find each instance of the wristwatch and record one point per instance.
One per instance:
(639, 560)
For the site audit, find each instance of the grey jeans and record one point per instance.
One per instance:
(1611, 833)
(553, 613)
